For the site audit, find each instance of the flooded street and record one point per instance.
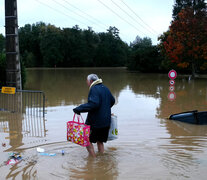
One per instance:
(149, 146)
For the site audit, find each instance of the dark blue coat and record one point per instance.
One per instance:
(100, 101)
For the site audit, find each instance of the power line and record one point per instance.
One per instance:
(131, 16)
(120, 16)
(105, 26)
(85, 13)
(60, 12)
(138, 16)
(75, 13)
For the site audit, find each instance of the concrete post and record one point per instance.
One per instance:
(13, 69)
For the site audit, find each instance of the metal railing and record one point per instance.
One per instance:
(24, 101)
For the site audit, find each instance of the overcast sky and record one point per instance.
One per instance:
(145, 18)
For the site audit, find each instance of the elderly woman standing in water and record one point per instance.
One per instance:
(100, 101)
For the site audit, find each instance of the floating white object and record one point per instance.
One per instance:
(40, 150)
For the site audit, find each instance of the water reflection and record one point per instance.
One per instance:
(16, 129)
(68, 86)
(103, 167)
(190, 95)
(185, 143)
(24, 173)
(149, 85)
(11, 124)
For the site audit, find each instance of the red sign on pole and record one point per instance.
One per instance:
(172, 82)
(172, 74)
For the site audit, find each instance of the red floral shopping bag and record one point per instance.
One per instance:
(78, 132)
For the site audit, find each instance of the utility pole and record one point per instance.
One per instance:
(13, 68)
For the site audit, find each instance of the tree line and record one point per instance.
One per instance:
(182, 47)
(44, 45)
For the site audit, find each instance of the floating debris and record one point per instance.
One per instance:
(40, 150)
(47, 154)
(14, 158)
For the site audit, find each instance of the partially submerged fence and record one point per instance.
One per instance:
(24, 101)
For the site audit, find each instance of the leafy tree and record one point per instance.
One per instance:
(44, 45)
(114, 32)
(102, 57)
(111, 51)
(38, 30)
(187, 40)
(51, 46)
(139, 42)
(77, 51)
(166, 63)
(91, 41)
(25, 44)
(196, 5)
(29, 42)
(144, 56)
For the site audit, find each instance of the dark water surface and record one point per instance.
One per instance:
(149, 145)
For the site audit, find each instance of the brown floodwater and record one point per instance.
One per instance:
(149, 146)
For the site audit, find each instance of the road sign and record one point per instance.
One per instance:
(8, 90)
(172, 82)
(171, 96)
(172, 74)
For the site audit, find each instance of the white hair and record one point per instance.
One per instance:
(92, 77)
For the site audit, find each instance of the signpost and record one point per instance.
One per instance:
(172, 75)
(8, 90)
(172, 82)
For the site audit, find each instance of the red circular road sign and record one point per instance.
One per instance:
(171, 88)
(171, 96)
(172, 82)
(172, 74)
